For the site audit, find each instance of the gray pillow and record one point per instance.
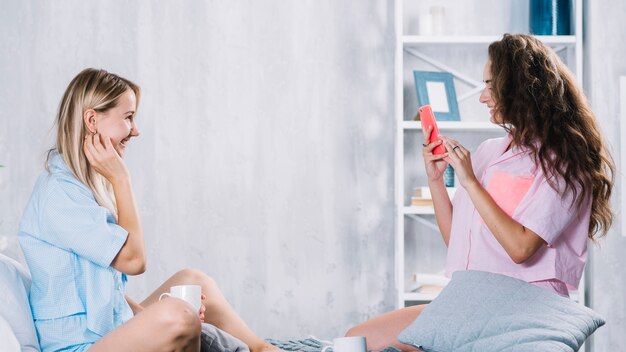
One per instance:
(481, 311)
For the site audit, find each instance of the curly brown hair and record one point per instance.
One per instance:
(545, 111)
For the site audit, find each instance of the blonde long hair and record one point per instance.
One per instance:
(90, 89)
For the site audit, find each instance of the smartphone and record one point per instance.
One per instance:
(428, 119)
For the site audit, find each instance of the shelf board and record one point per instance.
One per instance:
(416, 296)
(420, 40)
(455, 125)
(415, 210)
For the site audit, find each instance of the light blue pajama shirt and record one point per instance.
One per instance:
(69, 242)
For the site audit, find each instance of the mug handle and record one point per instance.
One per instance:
(326, 347)
(164, 294)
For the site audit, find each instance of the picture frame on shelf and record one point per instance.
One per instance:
(437, 90)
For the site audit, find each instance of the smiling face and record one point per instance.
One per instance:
(118, 123)
(485, 95)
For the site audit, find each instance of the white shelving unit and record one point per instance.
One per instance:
(416, 40)
(445, 126)
(416, 46)
(622, 152)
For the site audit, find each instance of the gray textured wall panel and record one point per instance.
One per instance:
(604, 55)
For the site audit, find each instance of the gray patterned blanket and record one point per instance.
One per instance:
(310, 344)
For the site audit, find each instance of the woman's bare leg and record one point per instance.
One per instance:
(382, 331)
(218, 311)
(169, 325)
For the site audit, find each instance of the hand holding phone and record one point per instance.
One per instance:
(428, 119)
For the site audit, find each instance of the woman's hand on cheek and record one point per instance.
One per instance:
(104, 158)
(461, 161)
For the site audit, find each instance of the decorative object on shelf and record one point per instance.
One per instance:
(422, 197)
(448, 176)
(437, 90)
(437, 15)
(428, 283)
(550, 17)
(431, 22)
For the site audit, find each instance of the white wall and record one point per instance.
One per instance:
(605, 62)
(266, 155)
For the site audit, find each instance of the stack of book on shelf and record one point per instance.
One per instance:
(423, 198)
(428, 283)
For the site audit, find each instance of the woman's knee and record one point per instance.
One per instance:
(195, 276)
(179, 319)
(355, 331)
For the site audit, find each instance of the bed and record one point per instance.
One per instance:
(477, 311)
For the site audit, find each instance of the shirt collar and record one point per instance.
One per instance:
(56, 163)
(505, 154)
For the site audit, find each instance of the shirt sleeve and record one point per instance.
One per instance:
(545, 212)
(71, 219)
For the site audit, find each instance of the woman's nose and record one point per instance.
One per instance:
(134, 131)
(483, 98)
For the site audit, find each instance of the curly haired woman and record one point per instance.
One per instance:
(528, 202)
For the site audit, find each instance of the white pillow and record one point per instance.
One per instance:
(9, 341)
(14, 306)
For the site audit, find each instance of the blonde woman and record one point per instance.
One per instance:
(81, 236)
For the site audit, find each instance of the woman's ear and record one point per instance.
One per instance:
(89, 117)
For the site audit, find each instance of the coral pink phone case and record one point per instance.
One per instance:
(428, 119)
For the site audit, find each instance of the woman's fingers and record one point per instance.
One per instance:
(95, 148)
(90, 150)
(108, 145)
(103, 146)
(98, 150)
(97, 142)
(446, 138)
(454, 158)
(426, 134)
(435, 157)
(449, 147)
(428, 148)
(202, 311)
(455, 148)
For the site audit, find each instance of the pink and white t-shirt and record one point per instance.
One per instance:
(522, 191)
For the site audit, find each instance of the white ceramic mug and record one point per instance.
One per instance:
(191, 294)
(348, 344)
